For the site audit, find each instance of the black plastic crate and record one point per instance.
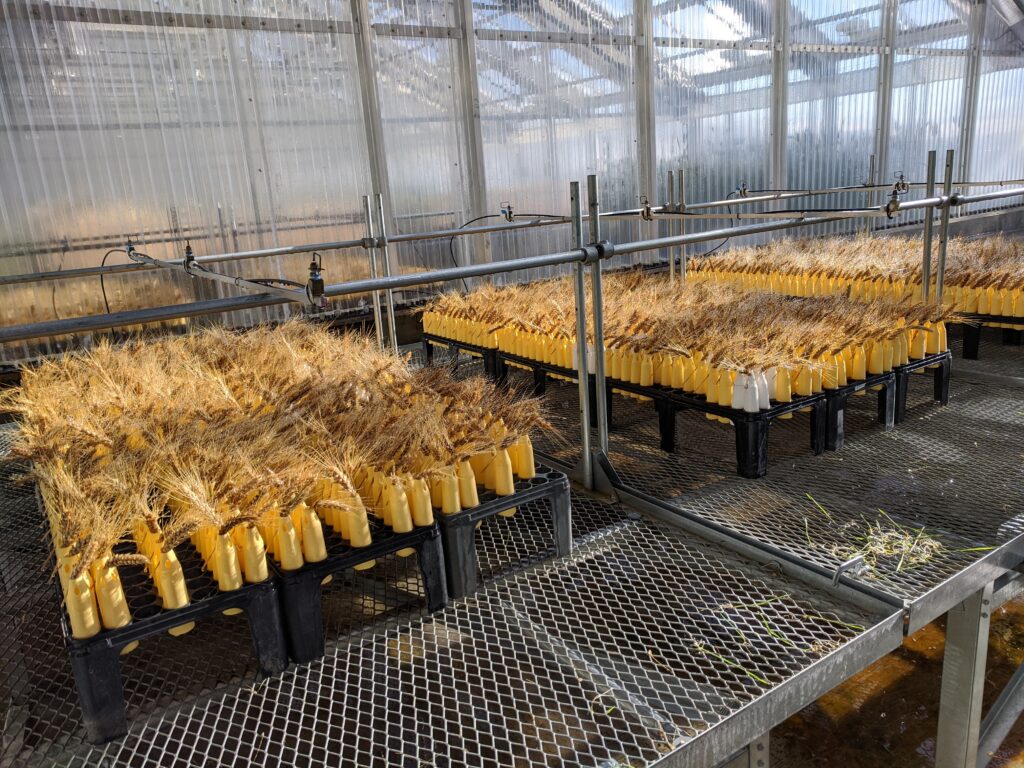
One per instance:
(459, 530)
(301, 589)
(941, 364)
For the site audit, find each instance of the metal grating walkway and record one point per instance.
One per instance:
(649, 643)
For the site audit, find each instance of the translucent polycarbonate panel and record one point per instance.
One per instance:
(419, 97)
(835, 22)
(713, 117)
(595, 17)
(725, 20)
(933, 24)
(222, 138)
(998, 140)
(927, 104)
(551, 114)
(115, 10)
(432, 13)
(830, 127)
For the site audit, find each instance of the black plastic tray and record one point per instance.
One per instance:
(301, 593)
(459, 530)
(96, 661)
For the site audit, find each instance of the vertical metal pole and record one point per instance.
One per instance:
(780, 92)
(582, 365)
(372, 253)
(473, 165)
(929, 220)
(682, 225)
(372, 122)
(947, 190)
(643, 14)
(600, 393)
(671, 206)
(386, 261)
(883, 97)
(972, 75)
(963, 681)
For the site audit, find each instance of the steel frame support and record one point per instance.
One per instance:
(474, 160)
(780, 93)
(963, 680)
(754, 755)
(372, 122)
(601, 394)
(646, 137)
(972, 75)
(1001, 717)
(883, 97)
(585, 468)
(929, 220)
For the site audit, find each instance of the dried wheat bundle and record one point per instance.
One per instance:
(248, 443)
(984, 276)
(709, 337)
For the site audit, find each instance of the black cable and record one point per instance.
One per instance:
(451, 240)
(103, 286)
(272, 281)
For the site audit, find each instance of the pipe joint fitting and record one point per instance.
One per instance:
(605, 249)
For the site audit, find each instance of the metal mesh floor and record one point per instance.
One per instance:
(957, 472)
(615, 656)
(994, 357)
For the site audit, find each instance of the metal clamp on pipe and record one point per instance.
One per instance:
(591, 254)
(605, 249)
(369, 243)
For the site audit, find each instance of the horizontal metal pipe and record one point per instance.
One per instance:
(214, 306)
(462, 232)
(111, 269)
(136, 317)
(967, 199)
(715, 234)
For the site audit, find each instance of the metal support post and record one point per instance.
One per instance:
(600, 392)
(582, 364)
(947, 190)
(370, 98)
(386, 262)
(643, 13)
(929, 220)
(473, 147)
(972, 76)
(963, 681)
(682, 227)
(883, 99)
(1001, 717)
(670, 205)
(372, 256)
(780, 93)
(754, 755)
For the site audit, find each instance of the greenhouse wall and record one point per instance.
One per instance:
(239, 126)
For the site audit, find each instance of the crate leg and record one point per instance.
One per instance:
(540, 382)
(666, 425)
(431, 558)
(941, 381)
(752, 447)
(501, 371)
(835, 412)
(819, 426)
(460, 559)
(428, 352)
(267, 630)
(902, 385)
(303, 616)
(972, 340)
(561, 519)
(98, 679)
(1013, 337)
(887, 405)
(490, 364)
